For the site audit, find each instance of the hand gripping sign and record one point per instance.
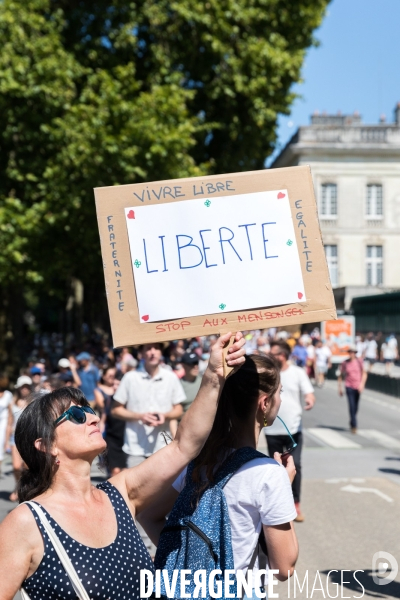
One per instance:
(196, 256)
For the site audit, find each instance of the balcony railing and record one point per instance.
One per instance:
(356, 134)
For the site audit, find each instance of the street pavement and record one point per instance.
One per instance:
(350, 498)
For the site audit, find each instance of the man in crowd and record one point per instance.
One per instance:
(64, 366)
(371, 350)
(295, 386)
(86, 376)
(299, 353)
(147, 400)
(36, 376)
(389, 352)
(355, 378)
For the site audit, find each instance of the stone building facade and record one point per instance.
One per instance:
(356, 173)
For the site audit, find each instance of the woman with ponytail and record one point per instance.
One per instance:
(58, 438)
(258, 495)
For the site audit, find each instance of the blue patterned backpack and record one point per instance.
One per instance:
(197, 536)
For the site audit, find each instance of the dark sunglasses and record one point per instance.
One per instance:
(77, 414)
(294, 444)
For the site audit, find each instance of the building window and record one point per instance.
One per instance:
(332, 260)
(374, 262)
(374, 206)
(328, 200)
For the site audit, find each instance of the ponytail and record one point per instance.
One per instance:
(238, 400)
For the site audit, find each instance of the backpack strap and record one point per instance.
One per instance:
(62, 554)
(233, 463)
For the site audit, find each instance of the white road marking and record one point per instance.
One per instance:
(358, 490)
(344, 479)
(391, 405)
(332, 438)
(382, 438)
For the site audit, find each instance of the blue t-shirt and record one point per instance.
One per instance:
(89, 380)
(300, 355)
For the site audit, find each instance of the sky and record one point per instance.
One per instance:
(355, 67)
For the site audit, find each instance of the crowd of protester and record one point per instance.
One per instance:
(137, 397)
(97, 370)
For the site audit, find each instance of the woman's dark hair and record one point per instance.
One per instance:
(236, 404)
(35, 422)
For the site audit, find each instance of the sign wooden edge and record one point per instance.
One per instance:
(127, 330)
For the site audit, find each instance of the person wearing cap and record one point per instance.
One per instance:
(64, 373)
(36, 377)
(24, 381)
(147, 400)
(86, 376)
(355, 377)
(64, 365)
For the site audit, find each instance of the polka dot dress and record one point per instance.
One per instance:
(110, 573)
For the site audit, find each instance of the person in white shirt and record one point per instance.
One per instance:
(323, 361)
(389, 352)
(5, 401)
(147, 400)
(371, 351)
(259, 496)
(361, 346)
(295, 385)
(23, 391)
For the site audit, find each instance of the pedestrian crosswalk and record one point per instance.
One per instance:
(383, 439)
(336, 439)
(341, 439)
(332, 438)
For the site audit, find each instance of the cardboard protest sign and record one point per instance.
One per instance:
(339, 335)
(196, 256)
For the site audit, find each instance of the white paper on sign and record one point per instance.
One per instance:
(198, 257)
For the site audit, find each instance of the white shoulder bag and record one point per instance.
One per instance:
(62, 555)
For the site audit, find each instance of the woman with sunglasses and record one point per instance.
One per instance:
(58, 437)
(258, 495)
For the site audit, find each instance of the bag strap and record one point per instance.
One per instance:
(62, 555)
(253, 558)
(24, 595)
(256, 554)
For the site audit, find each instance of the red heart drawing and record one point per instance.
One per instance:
(281, 195)
(299, 295)
(131, 214)
(145, 317)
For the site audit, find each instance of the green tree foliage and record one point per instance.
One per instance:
(110, 92)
